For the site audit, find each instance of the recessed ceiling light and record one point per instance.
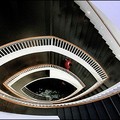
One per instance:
(111, 41)
(101, 27)
(88, 12)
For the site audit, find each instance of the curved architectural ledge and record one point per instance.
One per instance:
(103, 25)
(27, 46)
(107, 93)
(31, 45)
(22, 79)
(6, 115)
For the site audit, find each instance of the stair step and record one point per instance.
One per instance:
(111, 109)
(75, 113)
(101, 111)
(68, 114)
(92, 111)
(84, 113)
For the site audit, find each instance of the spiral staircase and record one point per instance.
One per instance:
(63, 31)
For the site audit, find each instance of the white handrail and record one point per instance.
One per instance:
(26, 46)
(51, 43)
(73, 79)
(109, 92)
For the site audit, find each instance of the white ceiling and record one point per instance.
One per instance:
(105, 17)
(111, 9)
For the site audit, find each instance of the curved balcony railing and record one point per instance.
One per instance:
(110, 91)
(52, 44)
(23, 47)
(27, 71)
(43, 66)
